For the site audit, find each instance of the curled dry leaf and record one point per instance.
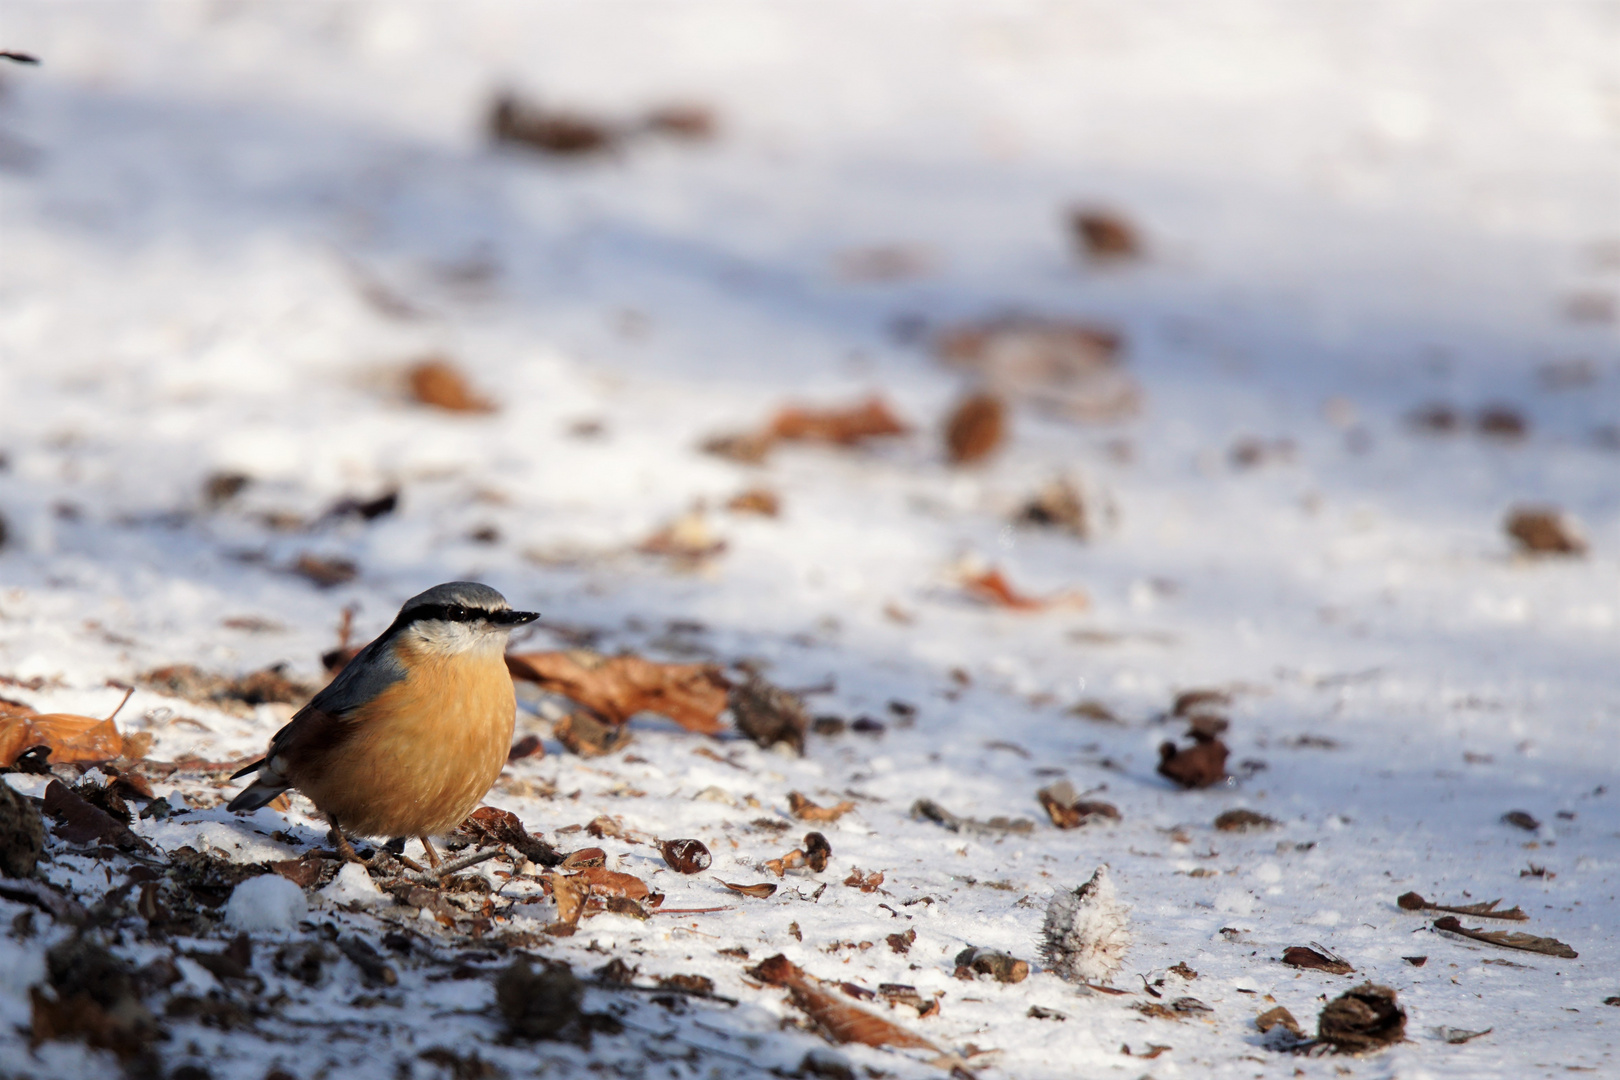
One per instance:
(805, 810)
(1199, 765)
(814, 855)
(326, 572)
(761, 501)
(864, 882)
(1057, 505)
(439, 383)
(1243, 820)
(583, 734)
(1278, 1017)
(992, 587)
(22, 834)
(845, 426)
(1068, 811)
(1067, 368)
(841, 1021)
(550, 131)
(1363, 1018)
(606, 882)
(618, 687)
(686, 856)
(1103, 235)
(1507, 939)
(489, 824)
(70, 738)
(569, 893)
(1411, 901)
(975, 428)
(590, 856)
(688, 539)
(998, 965)
(1521, 820)
(769, 714)
(758, 892)
(1301, 957)
(79, 822)
(1189, 702)
(901, 943)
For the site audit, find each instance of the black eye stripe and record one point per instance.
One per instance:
(462, 614)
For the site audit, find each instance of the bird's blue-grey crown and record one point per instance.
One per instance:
(463, 601)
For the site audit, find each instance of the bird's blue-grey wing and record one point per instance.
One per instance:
(321, 725)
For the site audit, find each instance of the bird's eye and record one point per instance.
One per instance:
(458, 613)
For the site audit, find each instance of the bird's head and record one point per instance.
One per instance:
(460, 616)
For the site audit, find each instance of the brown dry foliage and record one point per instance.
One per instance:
(975, 428)
(1103, 234)
(1543, 531)
(618, 687)
(993, 588)
(841, 1021)
(839, 426)
(805, 810)
(439, 383)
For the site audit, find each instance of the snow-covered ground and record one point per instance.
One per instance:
(225, 227)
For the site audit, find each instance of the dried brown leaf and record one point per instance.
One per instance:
(1507, 939)
(1301, 957)
(1103, 234)
(840, 1020)
(686, 856)
(1411, 901)
(768, 714)
(326, 572)
(71, 738)
(1058, 505)
(607, 882)
(761, 501)
(1278, 1017)
(1068, 811)
(1363, 1018)
(992, 587)
(1196, 766)
(805, 810)
(844, 426)
(550, 131)
(569, 893)
(439, 383)
(975, 428)
(1067, 368)
(758, 892)
(583, 734)
(1243, 820)
(864, 882)
(78, 822)
(1544, 531)
(618, 687)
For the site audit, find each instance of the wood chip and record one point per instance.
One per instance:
(1364, 1018)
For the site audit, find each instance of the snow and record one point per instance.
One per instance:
(352, 886)
(269, 904)
(1350, 211)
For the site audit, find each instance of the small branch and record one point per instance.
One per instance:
(431, 876)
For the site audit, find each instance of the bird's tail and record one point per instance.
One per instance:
(265, 787)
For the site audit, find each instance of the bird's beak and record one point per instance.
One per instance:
(513, 618)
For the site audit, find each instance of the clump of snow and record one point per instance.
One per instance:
(1087, 931)
(352, 886)
(268, 903)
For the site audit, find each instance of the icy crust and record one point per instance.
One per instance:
(1087, 931)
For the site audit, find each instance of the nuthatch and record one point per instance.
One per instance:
(412, 733)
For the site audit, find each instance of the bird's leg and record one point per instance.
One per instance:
(345, 849)
(433, 855)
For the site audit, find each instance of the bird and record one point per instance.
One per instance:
(412, 733)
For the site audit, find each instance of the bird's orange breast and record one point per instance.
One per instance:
(424, 752)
